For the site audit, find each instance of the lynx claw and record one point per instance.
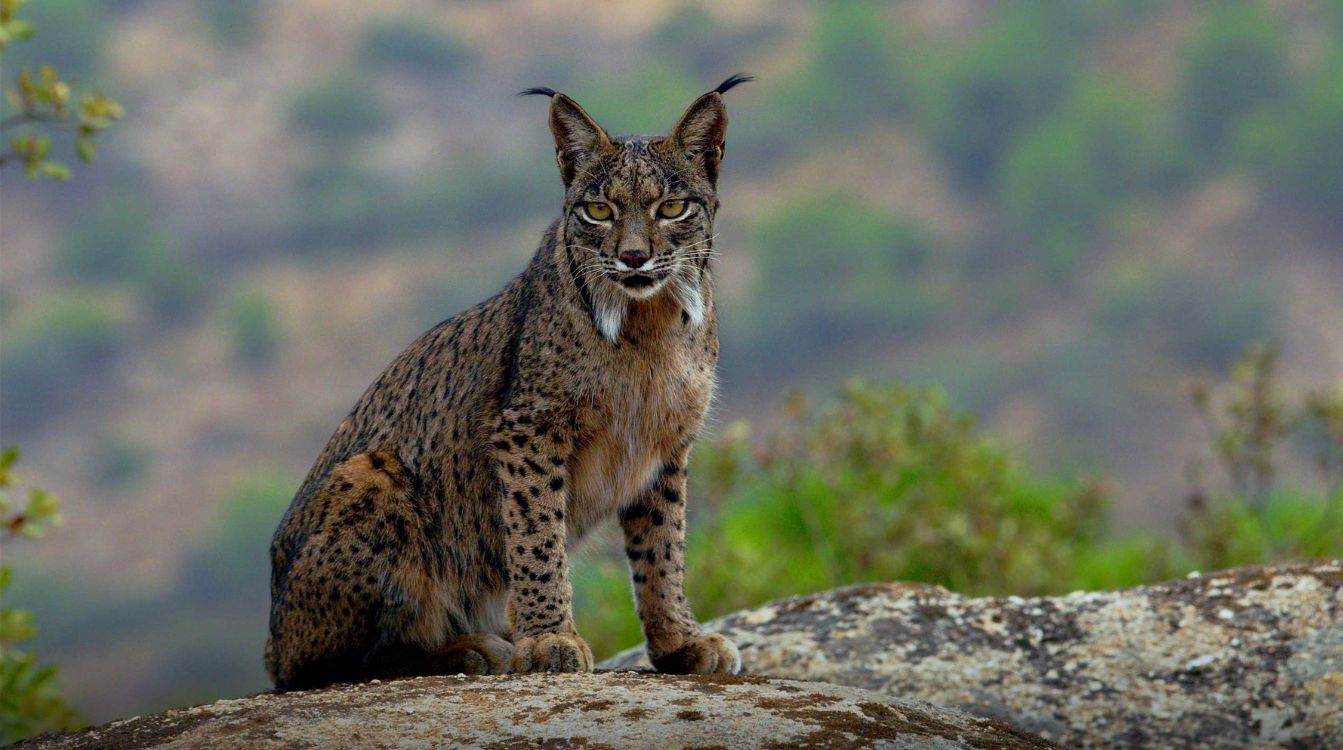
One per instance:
(705, 654)
(551, 652)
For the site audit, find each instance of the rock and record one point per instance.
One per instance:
(1243, 658)
(606, 710)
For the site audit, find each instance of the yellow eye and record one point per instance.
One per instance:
(597, 211)
(671, 209)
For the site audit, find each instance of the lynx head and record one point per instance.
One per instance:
(638, 210)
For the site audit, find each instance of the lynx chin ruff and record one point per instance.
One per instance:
(430, 535)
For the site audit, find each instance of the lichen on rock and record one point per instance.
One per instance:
(1245, 658)
(606, 710)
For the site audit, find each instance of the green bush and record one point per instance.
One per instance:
(1234, 66)
(1293, 147)
(831, 267)
(47, 355)
(254, 329)
(413, 45)
(975, 101)
(1203, 319)
(1063, 177)
(1246, 510)
(1293, 524)
(854, 72)
(341, 106)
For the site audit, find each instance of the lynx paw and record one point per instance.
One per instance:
(551, 652)
(480, 653)
(705, 654)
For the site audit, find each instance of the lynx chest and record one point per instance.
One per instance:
(644, 413)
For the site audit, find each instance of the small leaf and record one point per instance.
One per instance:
(42, 504)
(19, 29)
(55, 171)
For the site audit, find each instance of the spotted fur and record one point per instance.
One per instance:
(431, 533)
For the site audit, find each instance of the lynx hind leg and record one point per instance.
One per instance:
(352, 596)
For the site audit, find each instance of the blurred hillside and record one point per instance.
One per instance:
(1057, 211)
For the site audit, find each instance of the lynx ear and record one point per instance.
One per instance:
(701, 133)
(577, 135)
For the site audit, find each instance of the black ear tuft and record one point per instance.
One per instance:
(538, 91)
(734, 80)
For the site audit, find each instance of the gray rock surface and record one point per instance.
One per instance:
(1245, 658)
(610, 710)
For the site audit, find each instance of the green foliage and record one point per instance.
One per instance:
(1234, 66)
(1288, 145)
(254, 329)
(30, 700)
(1202, 318)
(853, 73)
(344, 105)
(830, 267)
(1064, 176)
(208, 625)
(44, 354)
(1291, 525)
(232, 22)
(44, 101)
(1248, 513)
(413, 45)
(974, 102)
(32, 518)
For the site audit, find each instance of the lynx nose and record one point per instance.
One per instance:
(633, 258)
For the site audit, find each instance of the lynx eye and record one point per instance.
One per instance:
(672, 209)
(597, 211)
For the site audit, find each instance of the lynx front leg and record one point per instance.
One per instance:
(654, 527)
(532, 455)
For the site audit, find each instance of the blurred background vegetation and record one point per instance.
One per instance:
(1045, 218)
